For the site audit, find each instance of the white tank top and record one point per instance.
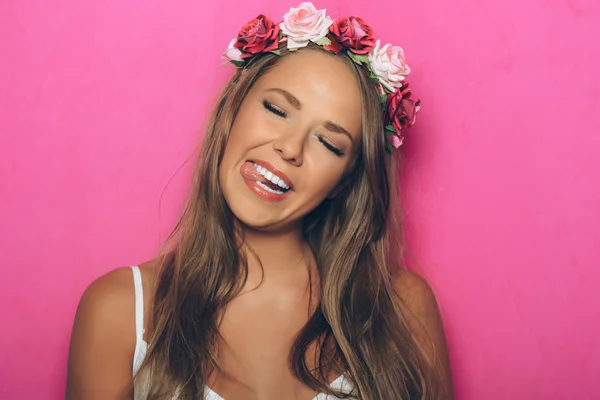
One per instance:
(141, 347)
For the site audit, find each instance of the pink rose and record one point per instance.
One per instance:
(401, 110)
(351, 33)
(233, 53)
(304, 24)
(258, 36)
(396, 140)
(389, 65)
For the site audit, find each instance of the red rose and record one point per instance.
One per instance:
(258, 36)
(401, 110)
(351, 33)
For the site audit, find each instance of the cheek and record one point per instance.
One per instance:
(236, 135)
(240, 136)
(323, 180)
(249, 129)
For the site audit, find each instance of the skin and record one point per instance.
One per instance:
(295, 141)
(258, 326)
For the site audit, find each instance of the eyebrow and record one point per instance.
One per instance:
(330, 126)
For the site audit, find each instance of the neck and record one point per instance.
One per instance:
(279, 255)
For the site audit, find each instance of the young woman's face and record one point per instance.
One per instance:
(292, 140)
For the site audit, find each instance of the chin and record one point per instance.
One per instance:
(264, 222)
(261, 213)
(257, 215)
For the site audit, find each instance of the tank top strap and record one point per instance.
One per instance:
(139, 303)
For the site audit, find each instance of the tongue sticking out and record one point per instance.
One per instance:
(249, 172)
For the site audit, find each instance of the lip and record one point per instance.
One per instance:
(270, 167)
(264, 194)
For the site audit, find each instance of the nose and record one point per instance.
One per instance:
(290, 147)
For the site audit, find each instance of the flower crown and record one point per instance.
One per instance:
(349, 35)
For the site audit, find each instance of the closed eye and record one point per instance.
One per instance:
(279, 112)
(274, 109)
(330, 147)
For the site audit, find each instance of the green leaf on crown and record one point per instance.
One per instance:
(360, 59)
(383, 98)
(238, 64)
(389, 129)
(323, 42)
(278, 52)
(372, 74)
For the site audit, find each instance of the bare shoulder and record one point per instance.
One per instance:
(415, 292)
(422, 315)
(109, 292)
(103, 336)
(103, 339)
(419, 303)
(419, 306)
(107, 303)
(110, 298)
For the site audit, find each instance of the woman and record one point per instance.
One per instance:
(283, 278)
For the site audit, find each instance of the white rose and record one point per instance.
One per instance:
(233, 53)
(304, 24)
(389, 65)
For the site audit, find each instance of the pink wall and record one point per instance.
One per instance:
(101, 102)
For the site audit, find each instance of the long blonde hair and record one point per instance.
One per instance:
(356, 241)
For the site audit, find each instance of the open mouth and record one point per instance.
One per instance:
(271, 182)
(265, 180)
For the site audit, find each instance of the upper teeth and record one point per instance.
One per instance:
(271, 176)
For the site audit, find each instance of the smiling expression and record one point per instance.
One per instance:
(293, 138)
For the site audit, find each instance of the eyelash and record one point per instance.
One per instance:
(275, 110)
(279, 112)
(330, 147)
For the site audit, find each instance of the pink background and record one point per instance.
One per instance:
(102, 102)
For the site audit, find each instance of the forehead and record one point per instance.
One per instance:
(324, 84)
